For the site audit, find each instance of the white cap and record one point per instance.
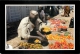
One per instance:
(33, 12)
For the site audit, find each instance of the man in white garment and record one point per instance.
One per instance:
(30, 25)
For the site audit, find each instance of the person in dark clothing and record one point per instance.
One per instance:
(51, 10)
(41, 13)
(47, 11)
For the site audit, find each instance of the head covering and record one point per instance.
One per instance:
(33, 13)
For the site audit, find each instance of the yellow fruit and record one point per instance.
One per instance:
(46, 29)
(37, 41)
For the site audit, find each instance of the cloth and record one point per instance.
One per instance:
(26, 26)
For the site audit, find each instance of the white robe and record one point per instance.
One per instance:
(25, 27)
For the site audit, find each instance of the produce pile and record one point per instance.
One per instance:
(58, 24)
(61, 45)
(59, 37)
(57, 21)
(60, 41)
(25, 45)
(46, 29)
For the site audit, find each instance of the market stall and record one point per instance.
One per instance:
(58, 33)
(58, 38)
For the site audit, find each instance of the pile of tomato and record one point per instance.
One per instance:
(60, 39)
(61, 42)
(61, 45)
(55, 21)
(58, 24)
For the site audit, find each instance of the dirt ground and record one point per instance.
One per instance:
(15, 41)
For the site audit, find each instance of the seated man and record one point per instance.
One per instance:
(29, 28)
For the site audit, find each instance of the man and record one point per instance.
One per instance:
(29, 28)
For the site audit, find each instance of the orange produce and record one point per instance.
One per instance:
(57, 45)
(68, 37)
(64, 27)
(71, 46)
(58, 37)
(51, 46)
(50, 37)
(61, 45)
(60, 26)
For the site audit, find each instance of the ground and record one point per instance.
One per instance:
(15, 41)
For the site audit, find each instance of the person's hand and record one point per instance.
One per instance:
(41, 35)
(41, 39)
(44, 41)
(44, 37)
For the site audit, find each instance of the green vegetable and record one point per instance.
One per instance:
(59, 34)
(66, 33)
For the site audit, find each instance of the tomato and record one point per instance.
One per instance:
(71, 46)
(51, 46)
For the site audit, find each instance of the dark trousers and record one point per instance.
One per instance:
(33, 33)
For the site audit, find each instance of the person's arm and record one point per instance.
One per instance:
(37, 28)
(40, 34)
(26, 34)
(34, 37)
